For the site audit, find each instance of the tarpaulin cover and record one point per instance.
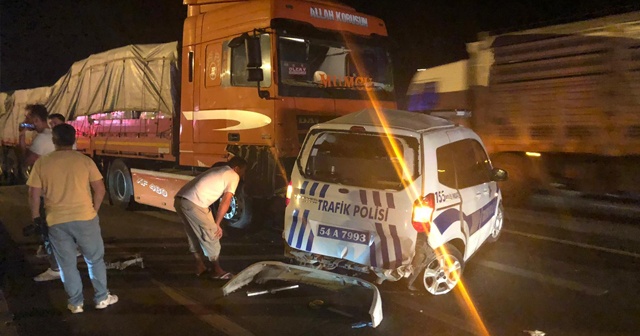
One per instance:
(14, 105)
(142, 78)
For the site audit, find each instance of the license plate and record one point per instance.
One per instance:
(351, 236)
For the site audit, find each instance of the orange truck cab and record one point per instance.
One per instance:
(256, 75)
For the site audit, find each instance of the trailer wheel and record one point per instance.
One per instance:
(240, 210)
(120, 184)
(517, 189)
(443, 270)
(12, 168)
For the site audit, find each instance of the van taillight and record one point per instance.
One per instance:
(423, 209)
(289, 192)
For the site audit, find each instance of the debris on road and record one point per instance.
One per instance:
(122, 264)
(271, 291)
(264, 271)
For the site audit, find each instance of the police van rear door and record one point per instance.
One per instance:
(352, 200)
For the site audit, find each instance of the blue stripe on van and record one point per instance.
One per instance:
(390, 203)
(383, 245)
(323, 191)
(396, 246)
(303, 228)
(303, 189)
(312, 192)
(376, 198)
(372, 254)
(292, 230)
(310, 241)
(474, 221)
(363, 197)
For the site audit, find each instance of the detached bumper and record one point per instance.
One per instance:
(264, 271)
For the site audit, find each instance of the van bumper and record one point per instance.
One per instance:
(264, 271)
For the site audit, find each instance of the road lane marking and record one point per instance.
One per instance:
(217, 321)
(451, 320)
(572, 285)
(567, 242)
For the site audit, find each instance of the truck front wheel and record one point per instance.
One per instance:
(240, 211)
(120, 184)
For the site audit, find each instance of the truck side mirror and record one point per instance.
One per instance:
(255, 75)
(238, 41)
(254, 52)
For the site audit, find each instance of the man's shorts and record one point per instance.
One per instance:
(199, 226)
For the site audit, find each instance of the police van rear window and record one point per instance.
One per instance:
(368, 160)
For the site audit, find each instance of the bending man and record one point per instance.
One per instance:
(192, 205)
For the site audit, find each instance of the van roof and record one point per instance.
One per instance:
(398, 119)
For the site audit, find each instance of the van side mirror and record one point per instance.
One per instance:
(498, 175)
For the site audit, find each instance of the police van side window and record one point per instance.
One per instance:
(446, 169)
(471, 162)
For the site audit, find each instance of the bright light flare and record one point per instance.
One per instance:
(533, 154)
(463, 295)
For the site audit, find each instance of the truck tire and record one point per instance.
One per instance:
(119, 184)
(517, 189)
(13, 171)
(240, 210)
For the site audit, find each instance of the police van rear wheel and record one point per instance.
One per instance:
(496, 229)
(443, 270)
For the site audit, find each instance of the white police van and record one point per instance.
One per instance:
(400, 194)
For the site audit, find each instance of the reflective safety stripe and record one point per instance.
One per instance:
(304, 187)
(396, 246)
(363, 197)
(372, 254)
(383, 245)
(323, 192)
(310, 240)
(303, 228)
(376, 198)
(390, 201)
(312, 192)
(293, 227)
(474, 221)
(313, 189)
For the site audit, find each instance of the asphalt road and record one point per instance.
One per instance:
(554, 270)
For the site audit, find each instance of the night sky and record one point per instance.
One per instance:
(41, 39)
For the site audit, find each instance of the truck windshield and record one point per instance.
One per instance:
(333, 68)
(360, 159)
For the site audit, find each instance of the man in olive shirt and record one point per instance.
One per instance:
(65, 179)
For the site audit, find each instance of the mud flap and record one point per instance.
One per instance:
(264, 271)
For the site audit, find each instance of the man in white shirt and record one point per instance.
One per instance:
(42, 144)
(192, 205)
